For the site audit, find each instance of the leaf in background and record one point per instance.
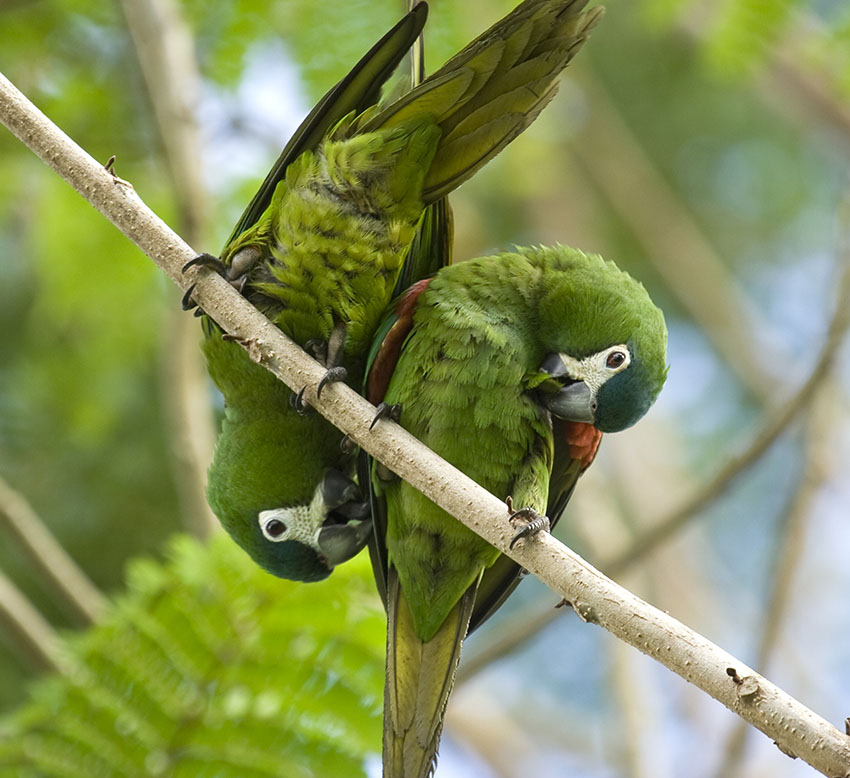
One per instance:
(209, 666)
(744, 31)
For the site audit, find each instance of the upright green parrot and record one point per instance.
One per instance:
(322, 247)
(510, 367)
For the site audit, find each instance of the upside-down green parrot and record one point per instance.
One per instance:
(322, 247)
(510, 367)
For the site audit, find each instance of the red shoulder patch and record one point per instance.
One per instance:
(583, 441)
(390, 348)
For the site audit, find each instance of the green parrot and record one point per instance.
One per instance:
(510, 367)
(323, 246)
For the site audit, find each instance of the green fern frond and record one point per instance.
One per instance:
(208, 666)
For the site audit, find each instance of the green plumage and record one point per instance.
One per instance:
(471, 387)
(322, 247)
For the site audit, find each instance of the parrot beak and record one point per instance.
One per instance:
(339, 542)
(338, 489)
(555, 366)
(348, 527)
(574, 402)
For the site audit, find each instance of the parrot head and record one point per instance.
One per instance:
(305, 542)
(605, 341)
(297, 523)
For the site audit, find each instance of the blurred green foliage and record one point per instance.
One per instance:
(207, 666)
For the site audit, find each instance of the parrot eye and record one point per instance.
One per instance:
(273, 529)
(615, 359)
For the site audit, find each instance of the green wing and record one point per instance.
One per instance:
(355, 92)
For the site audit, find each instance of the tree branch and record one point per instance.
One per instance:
(52, 561)
(38, 641)
(796, 729)
(165, 51)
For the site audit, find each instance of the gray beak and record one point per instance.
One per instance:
(340, 542)
(575, 402)
(338, 489)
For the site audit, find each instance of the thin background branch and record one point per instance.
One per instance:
(166, 54)
(55, 565)
(796, 729)
(31, 633)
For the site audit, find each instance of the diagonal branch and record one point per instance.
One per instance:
(796, 729)
(44, 551)
(28, 629)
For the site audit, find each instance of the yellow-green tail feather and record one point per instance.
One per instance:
(420, 675)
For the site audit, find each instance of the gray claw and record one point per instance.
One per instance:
(333, 376)
(534, 523)
(207, 260)
(187, 303)
(296, 400)
(386, 411)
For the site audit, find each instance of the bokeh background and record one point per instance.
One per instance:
(704, 147)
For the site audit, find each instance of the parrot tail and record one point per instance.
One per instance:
(420, 676)
(489, 92)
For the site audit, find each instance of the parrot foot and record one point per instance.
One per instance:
(336, 345)
(296, 400)
(347, 445)
(207, 260)
(186, 302)
(318, 349)
(386, 411)
(333, 376)
(214, 263)
(534, 522)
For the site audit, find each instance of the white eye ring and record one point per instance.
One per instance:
(272, 527)
(617, 358)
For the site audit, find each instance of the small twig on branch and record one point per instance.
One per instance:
(51, 560)
(795, 728)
